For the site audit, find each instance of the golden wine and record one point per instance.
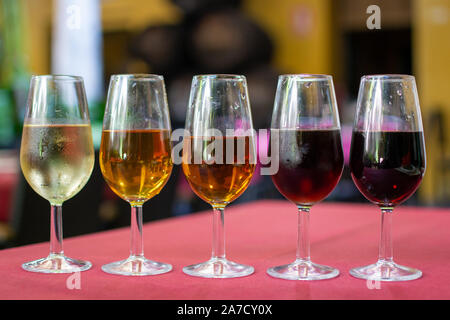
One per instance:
(136, 164)
(57, 160)
(218, 184)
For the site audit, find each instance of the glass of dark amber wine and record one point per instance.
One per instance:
(135, 156)
(387, 159)
(306, 142)
(219, 158)
(57, 156)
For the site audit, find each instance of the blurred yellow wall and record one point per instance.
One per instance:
(431, 55)
(137, 14)
(37, 18)
(301, 31)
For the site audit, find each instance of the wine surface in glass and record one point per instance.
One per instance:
(387, 166)
(136, 164)
(218, 183)
(57, 160)
(310, 164)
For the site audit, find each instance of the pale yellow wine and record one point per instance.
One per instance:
(57, 160)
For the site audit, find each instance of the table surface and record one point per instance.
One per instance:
(261, 234)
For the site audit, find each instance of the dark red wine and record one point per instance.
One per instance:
(310, 164)
(387, 166)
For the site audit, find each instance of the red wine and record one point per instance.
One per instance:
(310, 164)
(387, 166)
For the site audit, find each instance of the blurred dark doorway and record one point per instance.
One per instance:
(376, 52)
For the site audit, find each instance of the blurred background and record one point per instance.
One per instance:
(180, 38)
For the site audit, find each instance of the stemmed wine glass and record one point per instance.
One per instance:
(306, 142)
(57, 156)
(135, 156)
(387, 159)
(219, 158)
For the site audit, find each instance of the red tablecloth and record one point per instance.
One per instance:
(8, 182)
(261, 234)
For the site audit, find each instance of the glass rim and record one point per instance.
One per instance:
(306, 76)
(220, 76)
(388, 77)
(137, 76)
(58, 77)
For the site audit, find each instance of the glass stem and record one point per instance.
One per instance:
(56, 232)
(303, 246)
(137, 241)
(218, 246)
(385, 251)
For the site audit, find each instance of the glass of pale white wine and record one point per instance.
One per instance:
(57, 156)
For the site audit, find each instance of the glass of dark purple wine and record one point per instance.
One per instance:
(387, 159)
(306, 142)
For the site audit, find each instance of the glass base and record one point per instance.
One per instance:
(57, 263)
(303, 270)
(218, 268)
(386, 271)
(136, 266)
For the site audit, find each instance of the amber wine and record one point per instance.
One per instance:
(218, 183)
(136, 164)
(57, 160)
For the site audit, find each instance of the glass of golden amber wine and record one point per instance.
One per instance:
(56, 156)
(135, 156)
(219, 158)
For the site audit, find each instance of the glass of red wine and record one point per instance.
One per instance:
(306, 142)
(387, 159)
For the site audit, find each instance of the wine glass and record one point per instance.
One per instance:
(306, 142)
(57, 156)
(219, 158)
(135, 156)
(387, 159)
